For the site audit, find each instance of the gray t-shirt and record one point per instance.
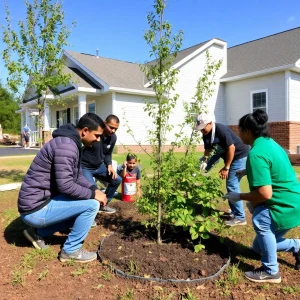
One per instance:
(133, 173)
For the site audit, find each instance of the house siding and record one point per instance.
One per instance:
(130, 108)
(103, 104)
(188, 77)
(238, 94)
(295, 97)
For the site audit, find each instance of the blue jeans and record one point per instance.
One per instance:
(233, 185)
(63, 213)
(268, 240)
(102, 174)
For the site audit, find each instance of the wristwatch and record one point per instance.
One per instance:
(226, 169)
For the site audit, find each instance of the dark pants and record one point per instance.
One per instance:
(102, 174)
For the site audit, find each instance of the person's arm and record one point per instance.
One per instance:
(227, 163)
(108, 153)
(206, 154)
(260, 181)
(64, 159)
(259, 195)
(124, 170)
(226, 141)
(108, 158)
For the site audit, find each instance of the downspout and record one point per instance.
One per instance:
(287, 95)
(287, 103)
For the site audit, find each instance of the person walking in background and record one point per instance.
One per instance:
(55, 196)
(97, 161)
(221, 141)
(274, 194)
(26, 136)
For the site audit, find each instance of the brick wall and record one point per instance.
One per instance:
(295, 159)
(138, 149)
(286, 134)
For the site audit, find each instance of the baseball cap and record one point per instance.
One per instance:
(202, 121)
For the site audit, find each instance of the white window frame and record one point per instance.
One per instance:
(256, 92)
(61, 118)
(87, 106)
(73, 114)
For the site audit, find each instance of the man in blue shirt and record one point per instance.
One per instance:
(25, 134)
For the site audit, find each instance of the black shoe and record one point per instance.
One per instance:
(259, 275)
(297, 257)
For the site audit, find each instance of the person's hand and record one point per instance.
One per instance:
(138, 194)
(112, 172)
(241, 173)
(125, 164)
(250, 207)
(232, 197)
(101, 197)
(203, 166)
(223, 173)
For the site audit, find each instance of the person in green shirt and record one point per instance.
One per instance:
(274, 195)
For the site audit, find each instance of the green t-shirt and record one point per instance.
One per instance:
(268, 164)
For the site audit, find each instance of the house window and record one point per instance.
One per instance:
(92, 107)
(76, 115)
(259, 100)
(63, 117)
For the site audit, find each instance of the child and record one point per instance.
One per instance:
(129, 169)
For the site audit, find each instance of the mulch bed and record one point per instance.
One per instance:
(134, 251)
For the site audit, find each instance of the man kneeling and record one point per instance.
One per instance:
(56, 196)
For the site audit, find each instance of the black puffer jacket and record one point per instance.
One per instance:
(55, 170)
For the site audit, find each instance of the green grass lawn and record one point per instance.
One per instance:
(14, 169)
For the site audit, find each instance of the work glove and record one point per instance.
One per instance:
(241, 173)
(203, 166)
(232, 197)
(250, 207)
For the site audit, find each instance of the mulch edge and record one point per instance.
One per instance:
(140, 278)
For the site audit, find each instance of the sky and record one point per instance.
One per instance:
(116, 27)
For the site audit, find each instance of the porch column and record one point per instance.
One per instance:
(81, 104)
(46, 117)
(22, 120)
(27, 116)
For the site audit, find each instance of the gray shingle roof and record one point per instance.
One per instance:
(115, 73)
(119, 73)
(269, 52)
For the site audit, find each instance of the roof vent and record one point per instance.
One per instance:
(97, 52)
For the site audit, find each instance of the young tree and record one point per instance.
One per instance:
(177, 184)
(32, 54)
(164, 48)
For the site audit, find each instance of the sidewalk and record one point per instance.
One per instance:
(10, 186)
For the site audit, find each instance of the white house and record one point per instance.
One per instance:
(263, 73)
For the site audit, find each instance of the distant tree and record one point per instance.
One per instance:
(9, 120)
(32, 54)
